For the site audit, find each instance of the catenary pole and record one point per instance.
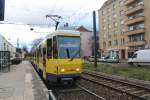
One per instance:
(95, 39)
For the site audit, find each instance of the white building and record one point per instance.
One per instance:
(86, 42)
(6, 46)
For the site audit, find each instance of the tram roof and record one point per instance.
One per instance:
(64, 33)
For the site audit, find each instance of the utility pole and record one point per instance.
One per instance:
(95, 39)
(2, 9)
(55, 18)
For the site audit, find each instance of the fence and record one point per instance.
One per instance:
(4, 60)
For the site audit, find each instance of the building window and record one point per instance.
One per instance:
(122, 22)
(109, 35)
(104, 20)
(138, 14)
(4, 46)
(109, 43)
(121, 12)
(122, 41)
(140, 2)
(114, 15)
(130, 17)
(121, 3)
(109, 26)
(115, 42)
(114, 6)
(131, 28)
(103, 13)
(104, 28)
(135, 27)
(133, 5)
(135, 38)
(116, 24)
(109, 10)
(104, 44)
(141, 13)
(141, 25)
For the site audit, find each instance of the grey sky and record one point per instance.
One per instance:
(75, 12)
(34, 11)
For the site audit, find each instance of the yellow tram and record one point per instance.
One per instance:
(58, 56)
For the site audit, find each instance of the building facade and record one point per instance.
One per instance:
(124, 27)
(86, 41)
(6, 46)
(137, 25)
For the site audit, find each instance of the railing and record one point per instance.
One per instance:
(134, 9)
(135, 20)
(4, 60)
(136, 43)
(129, 2)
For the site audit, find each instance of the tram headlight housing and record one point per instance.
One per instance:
(77, 69)
(62, 70)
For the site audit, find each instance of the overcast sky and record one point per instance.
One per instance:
(75, 12)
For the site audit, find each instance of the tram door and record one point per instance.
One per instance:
(55, 54)
(44, 57)
(44, 61)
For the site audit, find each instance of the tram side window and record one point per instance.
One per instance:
(40, 52)
(44, 52)
(55, 51)
(38, 55)
(49, 48)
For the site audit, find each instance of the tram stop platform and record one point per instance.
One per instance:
(22, 83)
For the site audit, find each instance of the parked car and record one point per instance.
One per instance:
(16, 61)
(102, 59)
(112, 60)
(107, 59)
(141, 57)
(91, 59)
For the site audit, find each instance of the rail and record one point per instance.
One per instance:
(135, 91)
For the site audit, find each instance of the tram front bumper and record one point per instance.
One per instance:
(56, 76)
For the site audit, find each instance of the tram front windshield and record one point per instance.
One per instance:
(68, 47)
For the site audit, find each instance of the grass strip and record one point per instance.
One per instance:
(127, 72)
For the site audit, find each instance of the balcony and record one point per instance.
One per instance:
(135, 9)
(135, 20)
(137, 31)
(129, 2)
(136, 43)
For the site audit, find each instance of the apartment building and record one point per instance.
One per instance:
(112, 29)
(124, 27)
(137, 25)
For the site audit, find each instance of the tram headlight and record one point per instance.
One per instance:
(77, 69)
(62, 70)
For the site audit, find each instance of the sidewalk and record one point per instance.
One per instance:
(22, 83)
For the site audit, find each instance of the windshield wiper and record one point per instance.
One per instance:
(68, 54)
(75, 55)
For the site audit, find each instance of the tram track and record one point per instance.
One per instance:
(114, 89)
(75, 93)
